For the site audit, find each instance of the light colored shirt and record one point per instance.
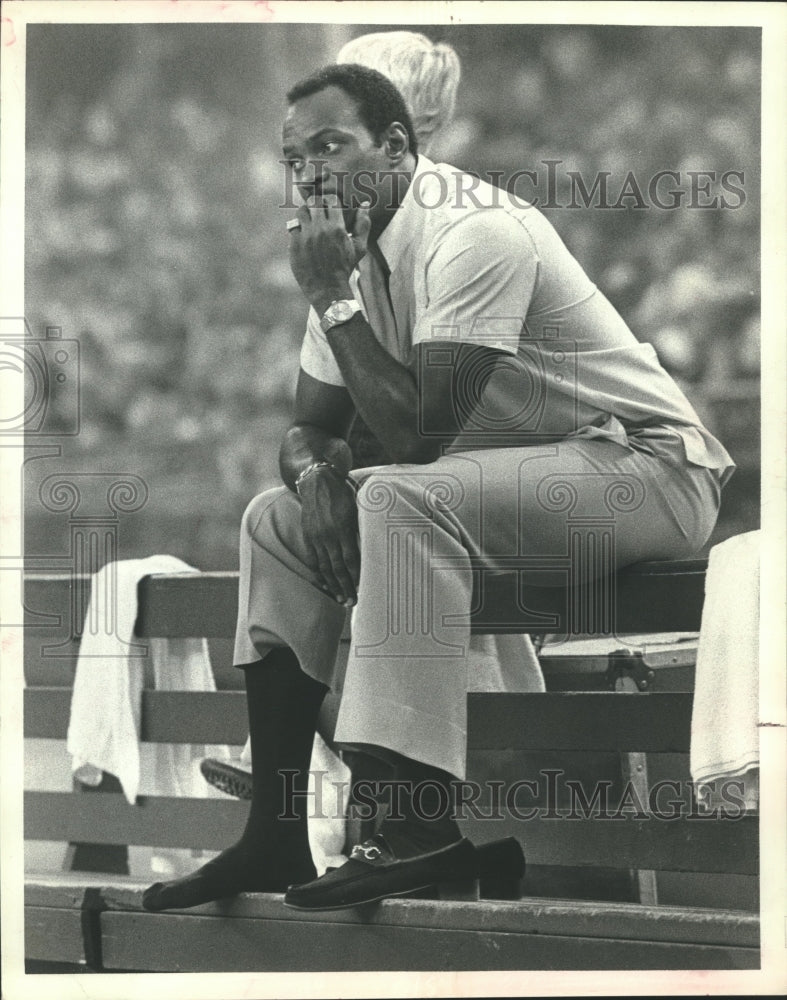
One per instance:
(470, 263)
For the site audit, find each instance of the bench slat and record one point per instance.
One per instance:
(53, 935)
(651, 597)
(626, 921)
(588, 720)
(602, 721)
(167, 716)
(188, 605)
(678, 845)
(258, 933)
(194, 717)
(195, 943)
(210, 824)
(206, 605)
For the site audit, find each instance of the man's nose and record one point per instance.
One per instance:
(311, 178)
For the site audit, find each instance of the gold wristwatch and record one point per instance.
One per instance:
(338, 312)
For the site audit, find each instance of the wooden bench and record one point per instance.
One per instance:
(96, 922)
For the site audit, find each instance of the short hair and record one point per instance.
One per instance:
(378, 101)
(426, 73)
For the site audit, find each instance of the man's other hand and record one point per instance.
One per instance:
(330, 527)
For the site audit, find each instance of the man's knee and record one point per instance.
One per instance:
(264, 509)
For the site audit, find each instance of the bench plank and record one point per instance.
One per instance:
(199, 717)
(627, 921)
(167, 716)
(196, 943)
(210, 824)
(651, 597)
(599, 721)
(53, 934)
(682, 844)
(65, 891)
(588, 720)
(258, 933)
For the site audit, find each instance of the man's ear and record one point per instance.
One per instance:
(396, 142)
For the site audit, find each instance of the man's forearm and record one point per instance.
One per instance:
(384, 391)
(305, 444)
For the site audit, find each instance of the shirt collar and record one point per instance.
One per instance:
(400, 230)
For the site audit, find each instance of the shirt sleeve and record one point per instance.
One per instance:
(480, 277)
(317, 357)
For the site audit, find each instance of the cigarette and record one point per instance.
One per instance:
(292, 225)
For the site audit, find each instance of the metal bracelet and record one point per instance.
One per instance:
(322, 464)
(312, 468)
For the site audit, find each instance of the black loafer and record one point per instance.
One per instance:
(373, 872)
(501, 869)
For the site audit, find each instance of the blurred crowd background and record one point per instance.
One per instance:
(154, 236)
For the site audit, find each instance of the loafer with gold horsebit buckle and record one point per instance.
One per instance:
(373, 872)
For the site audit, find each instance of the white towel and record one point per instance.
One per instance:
(724, 724)
(328, 808)
(106, 704)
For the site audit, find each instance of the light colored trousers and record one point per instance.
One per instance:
(569, 511)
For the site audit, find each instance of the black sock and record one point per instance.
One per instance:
(285, 703)
(273, 850)
(426, 805)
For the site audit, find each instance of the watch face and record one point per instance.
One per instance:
(340, 311)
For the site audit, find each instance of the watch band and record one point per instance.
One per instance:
(338, 312)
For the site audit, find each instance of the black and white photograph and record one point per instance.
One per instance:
(393, 473)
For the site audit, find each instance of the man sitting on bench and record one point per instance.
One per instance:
(510, 394)
(427, 74)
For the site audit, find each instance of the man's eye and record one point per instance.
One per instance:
(329, 147)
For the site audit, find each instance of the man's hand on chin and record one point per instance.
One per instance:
(323, 254)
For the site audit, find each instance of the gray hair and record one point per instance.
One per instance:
(425, 72)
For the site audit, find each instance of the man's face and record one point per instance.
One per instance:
(330, 151)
